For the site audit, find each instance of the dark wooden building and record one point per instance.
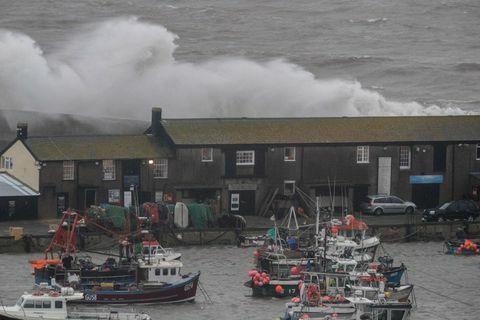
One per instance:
(240, 165)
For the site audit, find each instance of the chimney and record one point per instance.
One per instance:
(156, 121)
(22, 130)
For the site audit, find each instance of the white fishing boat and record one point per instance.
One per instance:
(152, 250)
(53, 305)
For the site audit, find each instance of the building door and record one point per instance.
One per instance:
(90, 197)
(242, 202)
(384, 175)
(360, 191)
(425, 195)
(62, 203)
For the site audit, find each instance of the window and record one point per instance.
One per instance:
(173, 271)
(47, 304)
(405, 157)
(478, 151)
(207, 154)
(289, 154)
(160, 168)
(28, 304)
(6, 162)
(38, 304)
(68, 170)
(157, 272)
(288, 187)
(58, 304)
(108, 169)
(245, 158)
(362, 154)
(165, 272)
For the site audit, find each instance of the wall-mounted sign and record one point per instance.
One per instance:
(114, 196)
(235, 202)
(129, 181)
(127, 199)
(426, 179)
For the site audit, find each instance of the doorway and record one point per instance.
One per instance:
(384, 175)
(425, 195)
(242, 202)
(90, 197)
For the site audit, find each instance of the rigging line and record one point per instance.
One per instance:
(438, 279)
(446, 297)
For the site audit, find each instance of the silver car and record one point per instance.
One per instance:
(380, 204)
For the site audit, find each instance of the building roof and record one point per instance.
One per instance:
(11, 187)
(322, 130)
(97, 147)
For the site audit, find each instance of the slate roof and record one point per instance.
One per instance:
(245, 131)
(97, 147)
(11, 187)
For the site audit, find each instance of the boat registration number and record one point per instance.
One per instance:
(90, 297)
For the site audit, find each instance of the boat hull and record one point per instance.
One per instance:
(184, 290)
(394, 275)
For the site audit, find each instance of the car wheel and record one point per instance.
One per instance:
(409, 210)
(378, 212)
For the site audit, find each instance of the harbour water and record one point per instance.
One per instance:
(446, 286)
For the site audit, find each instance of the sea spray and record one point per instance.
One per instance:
(123, 67)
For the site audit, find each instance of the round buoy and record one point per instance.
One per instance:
(279, 289)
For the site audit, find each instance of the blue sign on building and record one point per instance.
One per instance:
(426, 179)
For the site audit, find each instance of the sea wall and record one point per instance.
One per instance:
(187, 237)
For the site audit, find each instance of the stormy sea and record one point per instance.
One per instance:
(211, 58)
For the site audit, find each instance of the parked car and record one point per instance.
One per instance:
(381, 204)
(453, 210)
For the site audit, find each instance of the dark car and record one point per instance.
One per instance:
(381, 204)
(453, 210)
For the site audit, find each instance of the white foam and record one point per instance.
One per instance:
(124, 67)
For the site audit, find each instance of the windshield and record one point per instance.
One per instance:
(20, 301)
(444, 206)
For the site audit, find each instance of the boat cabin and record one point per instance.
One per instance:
(152, 250)
(159, 272)
(42, 305)
(394, 311)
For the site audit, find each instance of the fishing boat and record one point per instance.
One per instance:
(157, 281)
(53, 305)
(462, 247)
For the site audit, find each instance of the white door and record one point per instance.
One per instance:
(384, 175)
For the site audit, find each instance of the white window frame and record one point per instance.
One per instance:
(405, 157)
(285, 189)
(477, 156)
(245, 158)
(109, 172)
(6, 162)
(68, 170)
(293, 151)
(363, 154)
(206, 154)
(160, 168)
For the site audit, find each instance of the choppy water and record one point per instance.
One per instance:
(447, 286)
(339, 57)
